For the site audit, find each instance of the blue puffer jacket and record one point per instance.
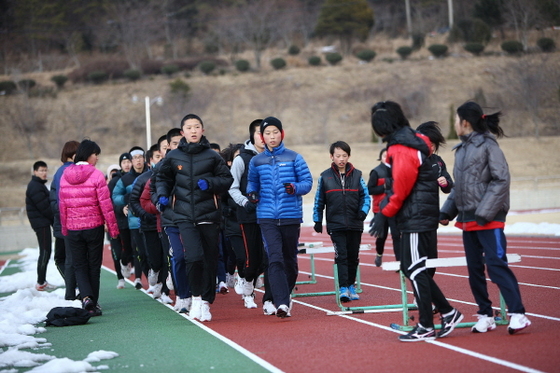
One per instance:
(268, 171)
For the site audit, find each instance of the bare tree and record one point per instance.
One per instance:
(523, 15)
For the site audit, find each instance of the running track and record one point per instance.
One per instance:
(311, 341)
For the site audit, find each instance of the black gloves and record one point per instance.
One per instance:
(250, 207)
(362, 215)
(378, 226)
(318, 227)
(480, 220)
(290, 189)
(253, 197)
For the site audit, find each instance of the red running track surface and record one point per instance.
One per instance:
(311, 341)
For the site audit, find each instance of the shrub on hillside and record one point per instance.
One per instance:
(169, 70)
(546, 44)
(59, 80)
(512, 47)
(26, 84)
(98, 77)
(151, 67)
(474, 48)
(8, 87)
(438, 50)
(178, 86)
(333, 58)
(207, 67)
(278, 63)
(404, 52)
(314, 60)
(132, 74)
(113, 68)
(293, 50)
(366, 55)
(418, 39)
(470, 30)
(242, 65)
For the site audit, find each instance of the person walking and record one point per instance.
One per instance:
(278, 178)
(85, 206)
(343, 192)
(192, 177)
(413, 199)
(480, 201)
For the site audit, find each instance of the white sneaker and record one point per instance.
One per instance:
(120, 284)
(165, 299)
(283, 311)
(156, 290)
(169, 282)
(268, 308)
(517, 322)
(187, 303)
(248, 288)
(45, 287)
(126, 270)
(239, 285)
(249, 301)
(152, 277)
(178, 304)
(196, 308)
(222, 288)
(260, 282)
(205, 314)
(230, 280)
(484, 324)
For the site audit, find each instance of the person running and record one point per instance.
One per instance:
(278, 178)
(191, 178)
(376, 188)
(121, 196)
(413, 199)
(41, 219)
(480, 201)
(255, 257)
(343, 192)
(121, 246)
(85, 207)
(62, 257)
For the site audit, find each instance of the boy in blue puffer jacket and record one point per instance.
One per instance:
(278, 178)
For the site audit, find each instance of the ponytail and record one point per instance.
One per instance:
(480, 122)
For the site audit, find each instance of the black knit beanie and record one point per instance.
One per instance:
(123, 157)
(271, 121)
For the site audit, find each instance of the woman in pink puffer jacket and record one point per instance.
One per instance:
(85, 206)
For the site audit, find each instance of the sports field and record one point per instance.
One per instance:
(149, 336)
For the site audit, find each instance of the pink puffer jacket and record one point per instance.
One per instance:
(84, 200)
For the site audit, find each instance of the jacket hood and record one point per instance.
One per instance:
(475, 138)
(349, 168)
(78, 173)
(408, 137)
(190, 147)
(250, 148)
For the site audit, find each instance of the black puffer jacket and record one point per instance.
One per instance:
(148, 222)
(37, 204)
(178, 178)
(420, 207)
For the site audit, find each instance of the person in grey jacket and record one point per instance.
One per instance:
(480, 201)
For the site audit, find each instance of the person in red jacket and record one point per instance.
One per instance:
(85, 206)
(414, 200)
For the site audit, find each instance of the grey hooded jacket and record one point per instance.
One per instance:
(482, 180)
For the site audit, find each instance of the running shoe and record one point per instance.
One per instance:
(419, 333)
(138, 284)
(517, 322)
(344, 295)
(268, 308)
(152, 277)
(353, 294)
(378, 260)
(45, 287)
(485, 323)
(205, 314)
(449, 322)
(283, 311)
(249, 301)
(126, 270)
(120, 284)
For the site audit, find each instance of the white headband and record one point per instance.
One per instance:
(136, 152)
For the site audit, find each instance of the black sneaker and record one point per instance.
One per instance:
(448, 323)
(88, 304)
(378, 260)
(419, 333)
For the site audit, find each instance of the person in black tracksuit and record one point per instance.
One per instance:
(121, 244)
(192, 177)
(414, 200)
(376, 188)
(444, 180)
(343, 191)
(41, 218)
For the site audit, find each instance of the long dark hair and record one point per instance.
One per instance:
(86, 148)
(387, 117)
(433, 132)
(480, 122)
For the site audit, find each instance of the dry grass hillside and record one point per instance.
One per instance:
(318, 105)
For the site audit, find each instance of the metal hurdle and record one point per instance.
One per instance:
(500, 317)
(313, 248)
